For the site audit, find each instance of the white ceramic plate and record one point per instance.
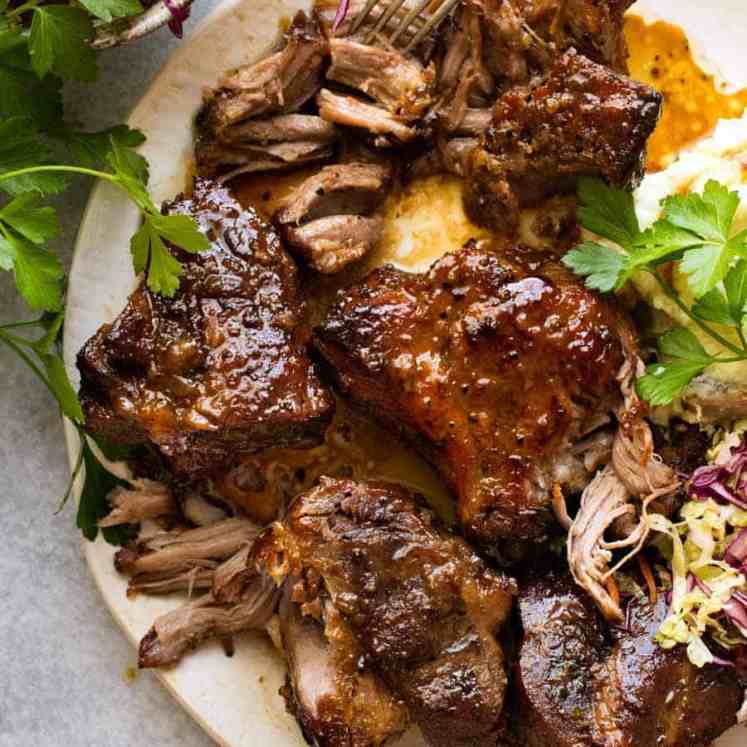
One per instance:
(236, 700)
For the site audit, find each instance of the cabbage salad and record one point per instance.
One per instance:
(708, 557)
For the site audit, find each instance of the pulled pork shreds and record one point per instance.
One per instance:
(147, 499)
(182, 559)
(243, 597)
(635, 471)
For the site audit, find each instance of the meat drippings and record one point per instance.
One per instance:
(660, 55)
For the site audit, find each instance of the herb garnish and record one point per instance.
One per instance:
(40, 46)
(696, 232)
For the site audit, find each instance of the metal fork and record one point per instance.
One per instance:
(421, 14)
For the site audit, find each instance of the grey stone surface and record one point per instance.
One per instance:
(62, 658)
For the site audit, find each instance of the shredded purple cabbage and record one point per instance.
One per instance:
(736, 553)
(724, 483)
(178, 16)
(342, 12)
(736, 611)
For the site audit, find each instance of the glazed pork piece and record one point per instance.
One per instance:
(494, 363)
(582, 684)
(581, 120)
(218, 370)
(401, 599)
(328, 219)
(494, 46)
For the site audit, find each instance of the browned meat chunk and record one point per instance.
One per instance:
(325, 218)
(593, 27)
(398, 83)
(416, 604)
(518, 39)
(216, 371)
(494, 364)
(582, 120)
(280, 142)
(564, 641)
(495, 45)
(342, 189)
(331, 244)
(581, 684)
(232, 137)
(280, 83)
(352, 111)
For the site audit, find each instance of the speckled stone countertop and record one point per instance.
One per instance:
(64, 661)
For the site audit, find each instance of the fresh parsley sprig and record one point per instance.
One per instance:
(42, 44)
(696, 232)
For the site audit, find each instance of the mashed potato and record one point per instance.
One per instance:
(723, 157)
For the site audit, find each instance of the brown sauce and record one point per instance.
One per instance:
(660, 55)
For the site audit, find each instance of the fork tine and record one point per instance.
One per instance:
(363, 15)
(408, 19)
(433, 21)
(394, 6)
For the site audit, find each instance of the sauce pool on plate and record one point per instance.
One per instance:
(661, 56)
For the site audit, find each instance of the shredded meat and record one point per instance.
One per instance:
(148, 500)
(353, 111)
(182, 559)
(634, 472)
(280, 83)
(177, 632)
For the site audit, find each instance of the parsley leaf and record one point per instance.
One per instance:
(709, 215)
(735, 284)
(682, 343)
(91, 149)
(709, 218)
(36, 223)
(99, 482)
(60, 385)
(182, 231)
(21, 147)
(713, 307)
(608, 212)
(58, 42)
(149, 251)
(38, 273)
(108, 10)
(665, 381)
(132, 170)
(22, 93)
(600, 265)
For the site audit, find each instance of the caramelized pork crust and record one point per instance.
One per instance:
(582, 120)
(216, 371)
(581, 684)
(493, 362)
(422, 609)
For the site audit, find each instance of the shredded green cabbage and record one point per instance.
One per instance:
(699, 542)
